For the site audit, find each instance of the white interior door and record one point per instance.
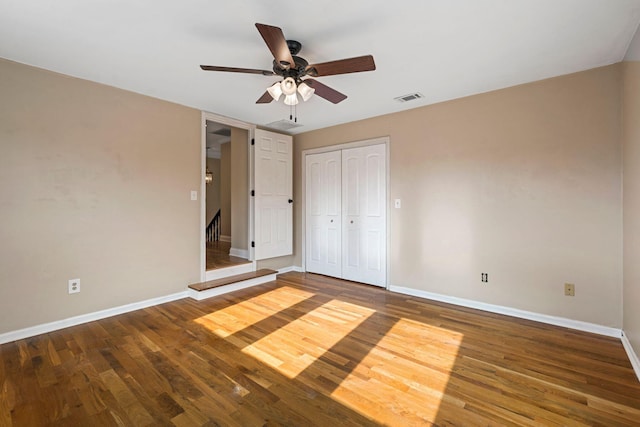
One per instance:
(323, 213)
(273, 183)
(364, 198)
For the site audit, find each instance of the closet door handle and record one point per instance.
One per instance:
(290, 200)
(331, 220)
(351, 221)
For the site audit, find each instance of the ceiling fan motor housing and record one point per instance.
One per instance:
(294, 72)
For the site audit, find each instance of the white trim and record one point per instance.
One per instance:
(221, 273)
(240, 253)
(347, 145)
(200, 295)
(89, 317)
(633, 357)
(386, 140)
(543, 318)
(203, 196)
(224, 238)
(290, 268)
(252, 185)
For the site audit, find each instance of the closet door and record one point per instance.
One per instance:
(364, 198)
(323, 214)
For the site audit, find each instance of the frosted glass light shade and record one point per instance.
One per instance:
(291, 99)
(275, 91)
(288, 86)
(305, 91)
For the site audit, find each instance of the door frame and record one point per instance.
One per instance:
(206, 116)
(386, 140)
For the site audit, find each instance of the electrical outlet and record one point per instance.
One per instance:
(74, 286)
(484, 277)
(570, 289)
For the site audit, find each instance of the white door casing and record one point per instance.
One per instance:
(355, 179)
(324, 216)
(273, 181)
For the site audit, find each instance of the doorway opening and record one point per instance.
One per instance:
(226, 205)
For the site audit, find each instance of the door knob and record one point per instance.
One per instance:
(331, 220)
(290, 200)
(351, 221)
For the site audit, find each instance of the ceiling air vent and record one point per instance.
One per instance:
(283, 125)
(409, 97)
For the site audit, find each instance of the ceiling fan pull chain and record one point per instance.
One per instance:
(295, 109)
(290, 112)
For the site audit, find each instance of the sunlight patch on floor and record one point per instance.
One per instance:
(239, 316)
(283, 349)
(397, 385)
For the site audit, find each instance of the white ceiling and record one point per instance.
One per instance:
(444, 49)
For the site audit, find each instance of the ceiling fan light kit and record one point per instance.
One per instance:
(275, 91)
(293, 68)
(305, 91)
(288, 88)
(291, 99)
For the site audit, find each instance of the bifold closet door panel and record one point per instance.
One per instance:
(364, 219)
(323, 244)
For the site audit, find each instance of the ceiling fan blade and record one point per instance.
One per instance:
(324, 91)
(265, 98)
(237, 70)
(277, 44)
(342, 66)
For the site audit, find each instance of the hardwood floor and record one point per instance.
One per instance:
(218, 256)
(311, 350)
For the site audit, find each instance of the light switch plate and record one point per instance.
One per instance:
(398, 203)
(194, 195)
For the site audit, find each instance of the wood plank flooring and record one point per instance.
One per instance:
(310, 350)
(217, 256)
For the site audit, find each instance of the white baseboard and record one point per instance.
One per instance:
(240, 253)
(225, 238)
(200, 295)
(529, 315)
(84, 318)
(633, 357)
(290, 268)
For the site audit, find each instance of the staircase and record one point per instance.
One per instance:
(212, 288)
(212, 232)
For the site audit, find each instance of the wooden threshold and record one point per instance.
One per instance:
(231, 280)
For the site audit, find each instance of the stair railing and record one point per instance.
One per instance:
(212, 231)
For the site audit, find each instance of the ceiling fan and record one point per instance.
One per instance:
(293, 69)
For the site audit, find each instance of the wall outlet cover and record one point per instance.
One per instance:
(74, 286)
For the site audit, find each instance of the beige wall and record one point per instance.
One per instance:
(94, 184)
(213, 190)
(239, 188)
(631, 168)
(522, 183)
(225, 189)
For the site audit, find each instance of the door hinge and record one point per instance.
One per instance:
(253, 141)
(253, 244)
(253, 193)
